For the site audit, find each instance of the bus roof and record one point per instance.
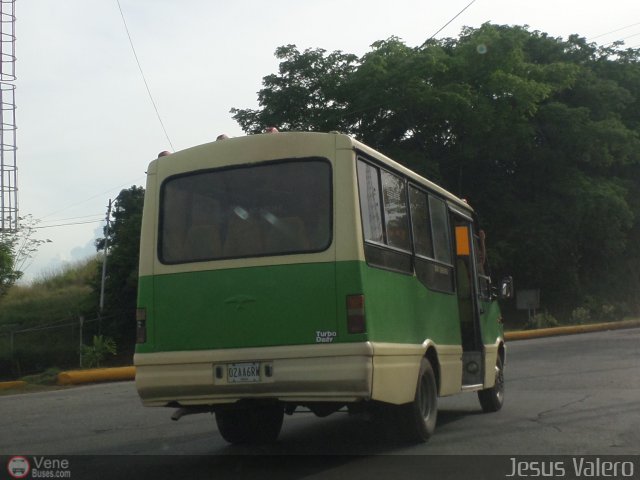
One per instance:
(410, 174)
(278, 141)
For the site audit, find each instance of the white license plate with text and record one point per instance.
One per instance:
(243, 372)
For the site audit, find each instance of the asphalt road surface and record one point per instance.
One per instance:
(571, 395)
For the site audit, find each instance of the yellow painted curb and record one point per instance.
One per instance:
(14, 384)
(570, 330)
(74, 377)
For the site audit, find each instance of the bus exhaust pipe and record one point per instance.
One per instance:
(181, 412)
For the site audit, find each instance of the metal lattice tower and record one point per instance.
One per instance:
(8, 147)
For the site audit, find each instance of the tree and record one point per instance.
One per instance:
(122, 266)
(304, 95)
(540, 134)
(16, 249)
(8, 275)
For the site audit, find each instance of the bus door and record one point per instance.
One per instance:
(468, 305)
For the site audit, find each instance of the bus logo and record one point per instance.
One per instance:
(325, 337)
(240, 301)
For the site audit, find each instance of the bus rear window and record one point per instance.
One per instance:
(276, 208)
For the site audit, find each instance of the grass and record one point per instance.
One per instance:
(40, 382)
(56, 301)
(32, 389)
(54, 297)
(48, 377)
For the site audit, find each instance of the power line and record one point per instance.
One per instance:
(143, 76)
(67, 224)
(621, 39)
(55, 220)
(92, 197)
(613, 31)
(456, 16)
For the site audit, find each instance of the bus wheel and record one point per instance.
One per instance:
(491, 399)
(259, 424)
(418, 418)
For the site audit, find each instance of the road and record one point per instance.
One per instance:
(571, 395)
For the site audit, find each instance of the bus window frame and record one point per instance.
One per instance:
(384, 247)
(433, 260)
(186, 261)
(398, 254)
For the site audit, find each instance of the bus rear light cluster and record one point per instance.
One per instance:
(141, 325)
(356, 322)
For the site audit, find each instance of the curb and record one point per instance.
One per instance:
(76, 377)
(556, 331)
(14, 384)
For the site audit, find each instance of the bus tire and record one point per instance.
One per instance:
(255, 425)
(417, 420)
(492, 399)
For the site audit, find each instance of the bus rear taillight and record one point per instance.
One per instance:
(355, 314)
(141, 325)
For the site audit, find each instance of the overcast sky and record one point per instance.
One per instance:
(87, 129)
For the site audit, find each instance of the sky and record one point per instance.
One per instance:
(87, 128)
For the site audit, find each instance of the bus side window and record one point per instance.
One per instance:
(421, 223)
(484, 280)
(394, 197)
(432, 264)
(440, 229)
(370, 202)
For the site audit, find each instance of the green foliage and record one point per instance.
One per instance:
(8, 275)
(48, 377)
(54, 301)
(93, 355)
(122, 267)
(76, 273)
(50, 299)
(580, 316)
(608, 313)
(540, 134)
(542, 320)
(16, 248)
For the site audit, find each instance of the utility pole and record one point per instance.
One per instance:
(81, 319)
(104, 258)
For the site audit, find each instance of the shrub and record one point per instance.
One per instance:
(608, 313)
(93, 355)
(580, 316)
(542, 320)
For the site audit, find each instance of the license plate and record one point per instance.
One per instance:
(243, 372)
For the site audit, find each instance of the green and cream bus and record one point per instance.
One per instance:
(307, 270)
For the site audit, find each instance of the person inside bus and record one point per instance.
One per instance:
(397, 235)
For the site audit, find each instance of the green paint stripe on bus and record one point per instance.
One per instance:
(289, 305)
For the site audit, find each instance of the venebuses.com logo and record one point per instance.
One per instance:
(38, 467)
(18, 467)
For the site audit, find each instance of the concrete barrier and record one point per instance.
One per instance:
(76, 377)
(14, 384)
(570, 330)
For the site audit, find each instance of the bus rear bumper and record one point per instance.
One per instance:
(300, 373)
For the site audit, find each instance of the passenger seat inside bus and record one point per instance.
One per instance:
(203, 236)
(244, 237)
(287, 235)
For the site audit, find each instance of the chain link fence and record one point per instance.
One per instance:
(32, 350)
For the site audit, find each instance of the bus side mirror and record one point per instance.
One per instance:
(506, 288)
